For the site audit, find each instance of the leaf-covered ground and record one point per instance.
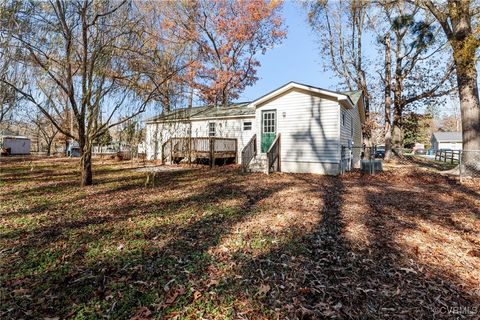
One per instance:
(216, 244)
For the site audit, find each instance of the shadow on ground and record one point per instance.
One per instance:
(217, 244)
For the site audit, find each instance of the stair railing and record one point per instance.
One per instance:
(249, 152)
(273, 156)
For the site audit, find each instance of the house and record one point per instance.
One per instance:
(73, 149)
(15, 145)
(295, 128)
(446, 140)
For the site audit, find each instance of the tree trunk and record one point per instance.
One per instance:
(398, 102)
(190, 98)
(86, 164)
(367, 128)
(457, 22)
(388, 100)
(397, 138)
(49, 148)
(469, 106)
(225, 98)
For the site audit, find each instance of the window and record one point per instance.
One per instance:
(269, 122)
(247, 125)
(343, 118)
(211, 129)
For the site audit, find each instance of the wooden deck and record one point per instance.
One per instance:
(196, 148)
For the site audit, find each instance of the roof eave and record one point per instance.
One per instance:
(339, 97)
(240, 116)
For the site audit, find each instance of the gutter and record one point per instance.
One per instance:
(201, 119)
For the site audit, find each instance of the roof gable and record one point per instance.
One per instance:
(447, 136)
(349, 100)
(342, 98)
(354, 95)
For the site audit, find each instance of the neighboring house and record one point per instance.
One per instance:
(447, 140)
(73, 149)
(314, 129)
(15, 145)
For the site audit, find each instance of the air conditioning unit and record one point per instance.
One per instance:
(371, 166)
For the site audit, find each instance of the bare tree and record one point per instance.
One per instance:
(45, 129)
(388, 96)
(85, 50)
(417, 74)
(341, 26)
(8, 96)
(168, 56)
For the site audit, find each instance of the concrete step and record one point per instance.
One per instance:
(258, 164)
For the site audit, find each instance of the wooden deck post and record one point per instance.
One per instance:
(163, 153)
(171, 150)
(211, 149)
(190, 149)
(236, 151)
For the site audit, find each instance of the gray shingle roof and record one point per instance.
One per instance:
(235, 109)
(447, 136)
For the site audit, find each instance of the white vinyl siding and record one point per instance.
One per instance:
(309, 128)
(352, 130)
(310, 124)
(450, 145)
(159, 133)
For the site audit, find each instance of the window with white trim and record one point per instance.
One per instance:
(247, 125)
(211, 129)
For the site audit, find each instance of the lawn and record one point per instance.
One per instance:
(197, 243)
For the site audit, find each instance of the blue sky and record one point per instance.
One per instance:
(296, 59)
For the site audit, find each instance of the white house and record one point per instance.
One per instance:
(296, 128)
(447, 140)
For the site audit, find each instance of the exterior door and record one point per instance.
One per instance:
(269, 128)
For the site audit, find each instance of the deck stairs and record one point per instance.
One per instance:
(258, 163)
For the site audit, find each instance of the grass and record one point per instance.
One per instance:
(217, 244)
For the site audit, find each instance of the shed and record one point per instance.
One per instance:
(15, 145)
(447, 140)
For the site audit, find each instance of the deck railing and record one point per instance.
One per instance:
(249, 152)
(199, 147)
(273, 156)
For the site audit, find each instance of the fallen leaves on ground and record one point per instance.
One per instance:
(216, 244)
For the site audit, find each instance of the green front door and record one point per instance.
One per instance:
(268, 129)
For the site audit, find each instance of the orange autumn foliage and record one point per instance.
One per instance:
(225, 37)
